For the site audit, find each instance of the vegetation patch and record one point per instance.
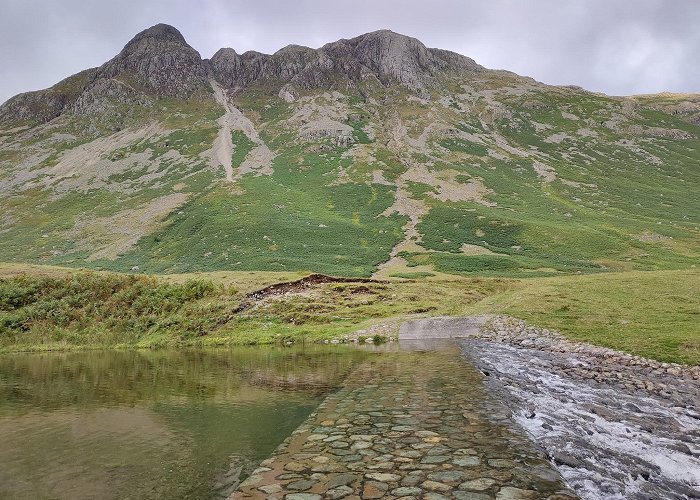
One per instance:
(358, 131)
(73, 310)
(283, 222)
(242, 146)
(412, 276)
(463, 146)
(652, 314)
(88, 308)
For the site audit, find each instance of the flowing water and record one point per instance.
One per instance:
(609, 443)
(166, 424)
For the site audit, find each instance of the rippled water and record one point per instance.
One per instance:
(166, 424)
(610, 443)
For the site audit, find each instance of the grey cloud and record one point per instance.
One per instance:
(612, 46)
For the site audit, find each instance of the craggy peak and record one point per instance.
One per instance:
(160, 62)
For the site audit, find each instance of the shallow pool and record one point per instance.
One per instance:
(163, 424)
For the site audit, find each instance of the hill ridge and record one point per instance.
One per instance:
(163, 63)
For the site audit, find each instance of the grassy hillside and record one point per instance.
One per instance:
(653, 314)
(496, 175)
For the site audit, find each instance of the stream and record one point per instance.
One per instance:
(607, 442)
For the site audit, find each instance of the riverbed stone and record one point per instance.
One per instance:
(316, 437)
(511, 493)
(384, 477)
(288, 476)
(301, 485)
(296, 467)
(435, 486)
(374, 489)
(302, 496)
(449, 477)
(411, 480)
(435, 496)
(404, 491)
(467, 461)
(270, 488)
(341, 480)
(480, 484)
(470, 495)
(500, 463)
(339, 492)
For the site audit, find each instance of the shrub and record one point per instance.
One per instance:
(86, 304)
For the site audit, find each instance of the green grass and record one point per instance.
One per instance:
(81, 310)
(40, 235)
(242, 146)
(284, 222)
(493, 265)
(412, 276)
(358, 133)
(652, 314)
(592, 217)
(90, 308)
(190, 142)
(419, 190)
(461, 145)
(552, 251)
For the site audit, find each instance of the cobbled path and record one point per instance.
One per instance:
(408, 425)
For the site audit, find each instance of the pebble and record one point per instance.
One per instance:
(374, 489)
(407, 491)
(302, 496)
(467, 461)
(510, 493)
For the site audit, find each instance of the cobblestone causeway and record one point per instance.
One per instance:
(408, 425)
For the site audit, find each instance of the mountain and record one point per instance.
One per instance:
(369, 155)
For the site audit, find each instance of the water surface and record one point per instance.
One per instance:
(164, 424)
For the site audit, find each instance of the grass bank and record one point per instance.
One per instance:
(654, 314)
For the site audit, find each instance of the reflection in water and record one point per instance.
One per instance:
(164, 424)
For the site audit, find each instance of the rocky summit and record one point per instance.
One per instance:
(374, 155)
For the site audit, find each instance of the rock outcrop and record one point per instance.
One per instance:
(158, 62)
(45, 105)
(236, 71)
(384, 55)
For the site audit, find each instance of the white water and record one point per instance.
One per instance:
(620, 445)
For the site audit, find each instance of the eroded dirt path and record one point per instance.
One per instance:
(414, 209)
(222, 149)
(445, 183)
(258, 160)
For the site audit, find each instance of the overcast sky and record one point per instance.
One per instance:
(614, 46)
